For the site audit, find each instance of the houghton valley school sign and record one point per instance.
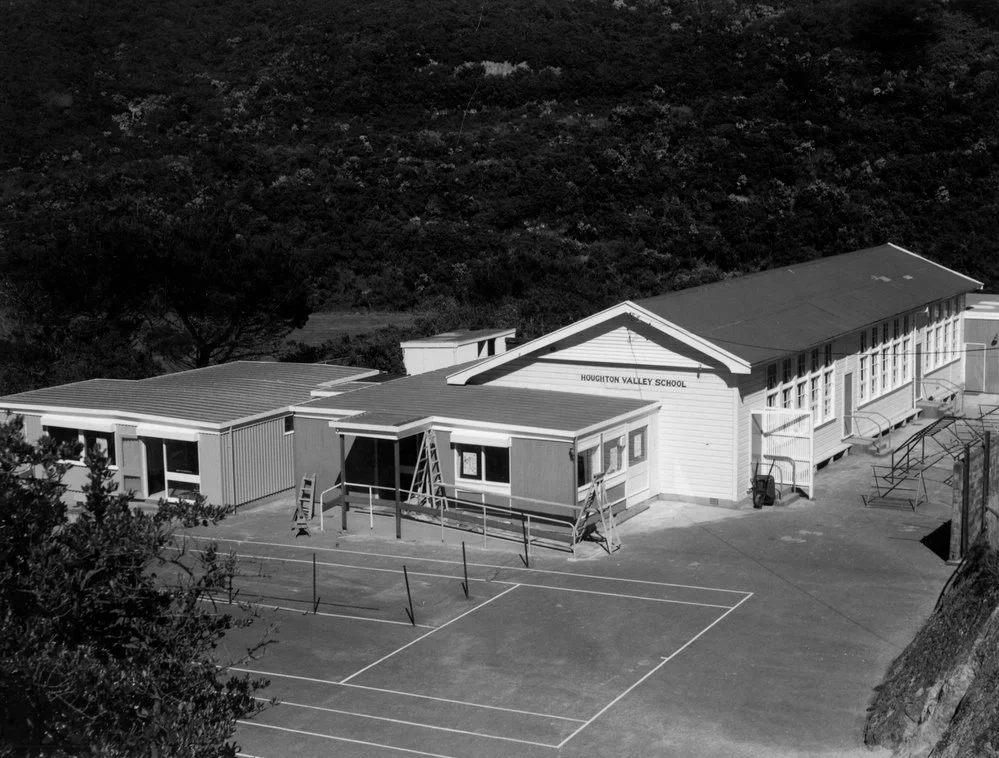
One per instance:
(638, 381)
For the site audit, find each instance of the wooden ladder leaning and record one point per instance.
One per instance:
(596, 505)
(428, 481)
(305, 507)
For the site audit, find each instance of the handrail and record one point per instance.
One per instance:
(866, 414)
(486, 509)
(948, 384)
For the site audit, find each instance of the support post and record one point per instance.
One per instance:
(315, 598)
(464, 564)
(343, 481)
(965, 498)
(986, 474)
(409, 595)
(398, 497)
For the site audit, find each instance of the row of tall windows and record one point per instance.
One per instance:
(804, 382)
(885, 358)
(943, 333)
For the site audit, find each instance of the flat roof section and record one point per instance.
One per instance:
(402, 402)
(215, 396)
(982, 306)
(763, 316)
(459, 337)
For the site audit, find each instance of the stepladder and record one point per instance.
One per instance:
(305, 506)
(428, 481)
(596, 518)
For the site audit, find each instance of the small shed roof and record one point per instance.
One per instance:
(459, 337)
(404, 401)
(762, 316)
(213, 396)
(982, 306)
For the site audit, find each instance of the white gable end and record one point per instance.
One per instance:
(626, 345)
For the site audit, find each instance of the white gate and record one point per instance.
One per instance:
(782, 446)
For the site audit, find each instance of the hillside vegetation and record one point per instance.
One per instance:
(182, 182)
(939, 696)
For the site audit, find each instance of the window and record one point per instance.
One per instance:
(587, 464)
(884, 363)
(614, 451)
(636, 446)
(289, 424)
(483, 463)
(103, 441)
(181, 457)
(809, 389)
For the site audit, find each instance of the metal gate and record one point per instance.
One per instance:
(782, 439)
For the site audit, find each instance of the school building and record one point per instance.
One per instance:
(685, 396)
(223, 431)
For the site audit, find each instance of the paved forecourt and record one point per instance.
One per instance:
(523, 665)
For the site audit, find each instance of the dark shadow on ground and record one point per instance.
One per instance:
(938, 541)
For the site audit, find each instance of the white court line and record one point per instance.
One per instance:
(658, 666)
(407, 694)
(411, 723)
(479, 565)
(423, 636)
(487, 581)
(344, 739)
(320, 613)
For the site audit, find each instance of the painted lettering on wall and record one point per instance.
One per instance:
(639, 381)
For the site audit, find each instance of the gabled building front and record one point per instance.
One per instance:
(777, 371)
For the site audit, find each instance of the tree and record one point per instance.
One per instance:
(221, 295)
(105, 637)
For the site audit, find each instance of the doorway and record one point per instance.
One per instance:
(848, 405)
(155, 467)
(918, 373)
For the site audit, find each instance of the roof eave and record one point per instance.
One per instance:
(731, 361)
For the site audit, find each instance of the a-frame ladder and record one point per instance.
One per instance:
(305, 506)
(596, 505)
(428, 481)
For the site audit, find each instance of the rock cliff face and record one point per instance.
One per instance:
(940, 697)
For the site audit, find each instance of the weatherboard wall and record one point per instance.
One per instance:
(624, 358)
(263, 457)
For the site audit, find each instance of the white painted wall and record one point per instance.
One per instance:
(697, 433)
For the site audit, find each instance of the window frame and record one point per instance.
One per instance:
(81, 439)
(479, 451)
(811, 388)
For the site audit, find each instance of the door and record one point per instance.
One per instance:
(155, 470)
(918, 373)
(848, 405)
(974, 372)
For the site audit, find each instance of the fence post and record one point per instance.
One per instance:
(965, 498)
(986, 474)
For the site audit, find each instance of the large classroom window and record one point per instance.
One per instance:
(943, 332)
(619, 449)
(103, 441)
(884, 358)
(482, 464)
(804, 382)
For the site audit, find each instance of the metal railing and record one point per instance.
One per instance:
(947, 384)
(866, 416)
(546, 530)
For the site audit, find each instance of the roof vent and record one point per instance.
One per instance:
(906, 276)
(880, 278)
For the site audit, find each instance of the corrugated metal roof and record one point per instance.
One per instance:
(762, 316)
(411, 398)
(215, 395)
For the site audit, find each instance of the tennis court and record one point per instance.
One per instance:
(523, 666)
